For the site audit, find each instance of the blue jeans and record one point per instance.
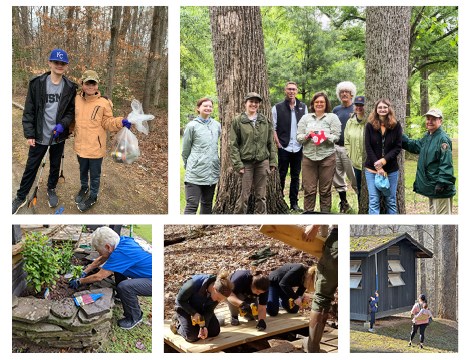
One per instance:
(374, 194)
(274, 295)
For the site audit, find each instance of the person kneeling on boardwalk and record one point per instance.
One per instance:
(249, 297)
(282, 282)
(195, 303)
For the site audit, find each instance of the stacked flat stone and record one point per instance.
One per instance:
(60, 324)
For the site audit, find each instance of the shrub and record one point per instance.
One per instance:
(64, 254)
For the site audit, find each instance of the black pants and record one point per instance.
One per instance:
(199, 194)
(372, 319)
(293, 161)
(275, 295)
(129, 290)
(93, 168)
(414, 330)
(190, 332)
(35, 156)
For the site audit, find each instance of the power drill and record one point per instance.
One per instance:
(305, 302)
(253, 308)
(200, 322)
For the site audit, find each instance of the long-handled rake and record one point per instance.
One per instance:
(61, 177)
(33, 200)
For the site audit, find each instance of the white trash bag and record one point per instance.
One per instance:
(138, 118)
(125, 146)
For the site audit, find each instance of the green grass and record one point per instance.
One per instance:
(136, 340)
(392, 335)
(144, 231)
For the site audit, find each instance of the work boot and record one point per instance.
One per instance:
(317, 322)
(235, 321)
(17, 204)
(81, 195)
(53, 198)
(87, 204)
(128, 324)
(344, 206)
(174, 324)
(296, 207)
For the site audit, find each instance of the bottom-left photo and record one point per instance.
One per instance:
(82, 288)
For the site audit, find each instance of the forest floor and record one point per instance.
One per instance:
(392, 335)
(138, 188)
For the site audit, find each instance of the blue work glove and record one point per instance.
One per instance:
(83, 274)
(74, 284)
(126, 123)
(57, 130)
(261, 325)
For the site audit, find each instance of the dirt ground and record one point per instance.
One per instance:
(138, 188)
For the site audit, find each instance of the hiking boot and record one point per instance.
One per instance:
(81, 195)
(128, 324)
(17, 204)
(296, 207)
(344, 207)
(53, 198)
(87, 204)
(174, 324)
(235, 321)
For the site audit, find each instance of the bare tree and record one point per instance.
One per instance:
(113, 48)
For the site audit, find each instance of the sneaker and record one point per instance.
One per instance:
(372, 330)
(18, 204)
(174, 324)
(235, 321)
(87, 204)
(344, 207)
(53, 198)
(410, 344)
(128, 324)
(421, 346)
(81, 195)
(296, 207)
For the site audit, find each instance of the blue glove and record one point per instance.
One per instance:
(74, 284)
(83, 274)
(57, 130)
(126, 123)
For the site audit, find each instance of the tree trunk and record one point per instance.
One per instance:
(448, 272)
(240, 67)
(132, 37)
(113, 49)
(69, 28)
(152, 58)
(424, 91)
(89, 35)
(435, 249)
(161, 59)
(422, 285)
(386, 73)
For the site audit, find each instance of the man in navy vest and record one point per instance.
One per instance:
(286, 115)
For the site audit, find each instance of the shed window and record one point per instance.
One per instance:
(355, 266)
(355, 282)
(395, 280)
(395, 266)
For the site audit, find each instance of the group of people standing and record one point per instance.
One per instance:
(54, 110)
(327, 145)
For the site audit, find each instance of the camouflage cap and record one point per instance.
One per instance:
(90, 75)
(434, 112)
(252, 95)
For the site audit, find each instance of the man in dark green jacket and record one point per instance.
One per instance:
(434, 174)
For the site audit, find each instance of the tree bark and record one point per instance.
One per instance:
(113, 49)
(386, 73)
(161, 59)
(89, 35)
(424, 91)
(448, 272)
(435, 249)
(422, 286)
(240, 67)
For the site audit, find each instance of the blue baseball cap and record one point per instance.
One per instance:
(359, 100)
(58, 55)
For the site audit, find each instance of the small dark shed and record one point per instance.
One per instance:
(386, 263)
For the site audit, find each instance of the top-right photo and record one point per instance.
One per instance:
(319, 109)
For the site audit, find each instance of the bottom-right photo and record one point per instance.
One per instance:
(404, 288)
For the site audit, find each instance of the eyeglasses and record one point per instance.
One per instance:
(61, 63)
(291, 89)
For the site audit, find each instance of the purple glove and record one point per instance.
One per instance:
(126, 123)
(57, 130)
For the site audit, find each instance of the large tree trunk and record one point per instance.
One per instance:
(422, 286)
(161, 59)
(448, 273)
(89, 35)
(113, 49)
(387, 56)
(424, 91)
(435, 250)
(240, 67)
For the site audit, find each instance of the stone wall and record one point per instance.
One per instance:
(61, 324)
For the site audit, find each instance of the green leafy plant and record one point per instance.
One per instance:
(64, 253)
(40, 261)
(76, 271)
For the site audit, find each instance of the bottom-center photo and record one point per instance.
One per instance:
(250, 288)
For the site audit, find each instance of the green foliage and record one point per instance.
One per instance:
(64, 253)
(76, 271)
(144, 231)
(40, 261)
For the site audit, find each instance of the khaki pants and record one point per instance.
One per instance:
(256, 176)
(318, 174)
(441, 206)
(344, 166)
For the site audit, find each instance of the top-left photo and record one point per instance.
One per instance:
(89, 110)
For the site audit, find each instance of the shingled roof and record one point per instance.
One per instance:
(369, 245)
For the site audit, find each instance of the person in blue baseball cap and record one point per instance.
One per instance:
(48, 112)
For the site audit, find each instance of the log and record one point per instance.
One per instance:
(294, 235)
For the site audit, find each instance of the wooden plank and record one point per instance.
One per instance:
(294, 235)
(236, 335)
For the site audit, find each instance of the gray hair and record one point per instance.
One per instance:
(104, 235)
(346, 86)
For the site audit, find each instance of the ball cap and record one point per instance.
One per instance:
(252, 95)
(359, 100)
(90, 75)
(434, 112)
(58, 55)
